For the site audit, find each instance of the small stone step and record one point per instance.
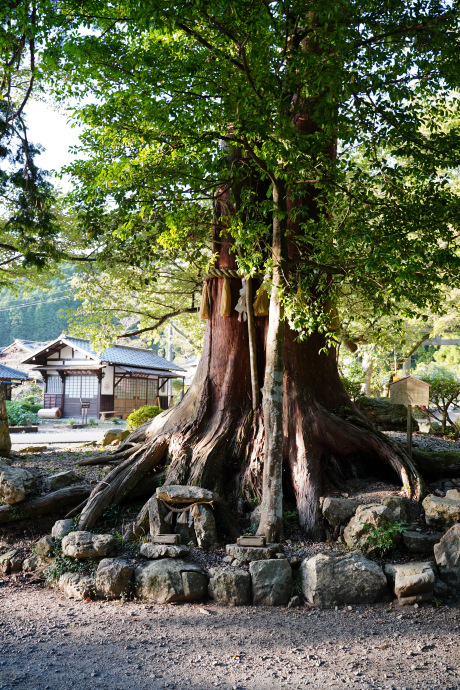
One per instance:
(247, 554)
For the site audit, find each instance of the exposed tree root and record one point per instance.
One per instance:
(44, 505)
(120, 482)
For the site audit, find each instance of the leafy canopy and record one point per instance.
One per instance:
(353, 109)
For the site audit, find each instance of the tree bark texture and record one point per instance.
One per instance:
(213, 438)
(271, 519)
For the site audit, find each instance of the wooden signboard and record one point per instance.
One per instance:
(409, 391)
(166, 539)
(251, 541)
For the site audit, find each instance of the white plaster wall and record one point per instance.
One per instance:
(107, 380)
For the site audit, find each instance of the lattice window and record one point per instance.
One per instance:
(152, 391)
(81, 387)
(142, 389)
(54, 384)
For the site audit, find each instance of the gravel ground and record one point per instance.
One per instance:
(51, 643)
(429, 443)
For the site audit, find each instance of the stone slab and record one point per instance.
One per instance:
(247, 554)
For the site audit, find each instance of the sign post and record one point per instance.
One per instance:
(409, 391)
(84, 411)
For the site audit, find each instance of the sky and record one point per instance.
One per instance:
(50, 128)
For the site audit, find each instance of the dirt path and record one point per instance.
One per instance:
(51, 643)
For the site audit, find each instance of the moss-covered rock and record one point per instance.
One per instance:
(382, 413)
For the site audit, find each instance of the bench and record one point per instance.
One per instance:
(110, 413)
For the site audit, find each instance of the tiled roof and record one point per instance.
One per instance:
(123, 354)
(9, 373)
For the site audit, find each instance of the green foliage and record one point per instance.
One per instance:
(444, 389)
(380, 540)
(290, 521)
(21, 414)
(64, 564)
(378, 223)
(142, 415)
(48, 314)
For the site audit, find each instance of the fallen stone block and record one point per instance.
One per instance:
(447, 555)
(60, 480)
(417, 542)
(113, 578)
(44, 547)
(62, 528)
(155, 551)
(77, 586)
(338, 511)
(15, 483)
(411, 579)
(5, 561)
(230, 586)
(271, 582)
(441, 512)
(397, 505)
(356, 533)
(329, 579)
(169, 579)
(87, 545)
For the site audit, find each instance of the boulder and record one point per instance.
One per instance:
(417, 542)
(205, 526)
(447, 555)
(230, 586)
(15, 483)
(441, 512)
(16, 563)
(154, 551)
(113, 578)
(157, 514)
(169, 579)
(44, 547)
(271, 582)
(183, 494)
(356, 533)
(342, 579)
(246, 554)
(77, 585)
(31, 564)
(382, 413)
(62, 528)
(60, 480)
(397, 505)
(5, 561)
(338, 511)
(87, 545)
(411, 582)
(453, 494)
(114, 435)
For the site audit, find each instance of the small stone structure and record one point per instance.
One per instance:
(185, 510)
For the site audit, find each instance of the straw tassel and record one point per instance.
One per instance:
(262, 302)
(204, 309)
(183, 518)
(226, 299)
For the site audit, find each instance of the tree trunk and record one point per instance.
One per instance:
(271, 518)
(5, 440)
(216, 441)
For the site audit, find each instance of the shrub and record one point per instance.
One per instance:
(142, 415)
(386, 538)
(20, 414)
